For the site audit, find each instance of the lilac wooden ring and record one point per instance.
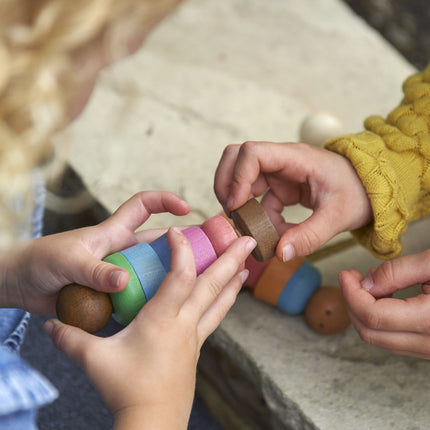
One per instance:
(204, 253)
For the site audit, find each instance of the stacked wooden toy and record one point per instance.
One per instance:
(289, 286)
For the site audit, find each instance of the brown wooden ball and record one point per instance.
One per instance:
(84, 307)
(326, 311)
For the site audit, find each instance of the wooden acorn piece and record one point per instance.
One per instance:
(84, 307)
(326, 311)
(251, 220)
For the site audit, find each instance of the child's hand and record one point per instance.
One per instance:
(291, 173)
(146, 372)
(401, 326)
(36, 271)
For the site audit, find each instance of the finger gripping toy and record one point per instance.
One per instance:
(285, 285)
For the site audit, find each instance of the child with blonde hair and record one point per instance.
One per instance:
(51, 52)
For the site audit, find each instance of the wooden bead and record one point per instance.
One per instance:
(204, 252)
(326, 311)
(147, 266)
(251, 220)
(84, 307)
(299, 289)
(162, 248)
(220, 233)
(256, 269)
(318, 127)
(274, 278)
(128, 302)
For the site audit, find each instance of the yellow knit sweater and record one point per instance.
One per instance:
(392, 158)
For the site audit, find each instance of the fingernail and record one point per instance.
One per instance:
(177, 230)
(251, 244)
(115, 278)
(288, 252)
(244, 275)
(48, 327)
(367, 282)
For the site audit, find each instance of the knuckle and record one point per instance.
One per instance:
(230, 149)
(60, 336)
(98, 273)
(187, 274)
(309, 242)
(387, 271)
(366, 336)
(372, 321)
(249, 147)
(426, 256)
(214, 287)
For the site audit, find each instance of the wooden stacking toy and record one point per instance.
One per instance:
(289, 286)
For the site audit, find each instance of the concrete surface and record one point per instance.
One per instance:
(217, 73)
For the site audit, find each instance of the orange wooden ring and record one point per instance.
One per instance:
(274, 278)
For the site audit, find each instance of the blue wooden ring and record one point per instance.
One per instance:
(299, 289)
(162, 248)
(147, 266)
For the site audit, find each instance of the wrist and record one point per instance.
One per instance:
(9, 278)
(161, 417)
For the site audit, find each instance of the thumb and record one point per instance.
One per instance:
(70, 340)
(100, 275)
(305, 238)
(397, 274)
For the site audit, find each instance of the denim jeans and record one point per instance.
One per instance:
(23, 390)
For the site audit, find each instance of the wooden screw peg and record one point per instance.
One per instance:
(251, 220)
(84, 307)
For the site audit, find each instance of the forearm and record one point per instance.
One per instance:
(391, 157)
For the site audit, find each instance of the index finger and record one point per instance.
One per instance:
(211, 282)
(179, 282)
(388, 314)
(224, 173)
(136, 210)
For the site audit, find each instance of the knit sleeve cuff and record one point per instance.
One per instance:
(366, 151)
(392, 158)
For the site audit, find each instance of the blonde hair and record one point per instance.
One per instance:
(39, 40)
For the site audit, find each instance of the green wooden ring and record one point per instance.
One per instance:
(128, 302)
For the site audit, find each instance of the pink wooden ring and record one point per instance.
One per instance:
(220, 232)
(204, 253)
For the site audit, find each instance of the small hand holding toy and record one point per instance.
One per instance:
(291, 286)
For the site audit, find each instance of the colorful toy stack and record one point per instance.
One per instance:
(289, 286)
